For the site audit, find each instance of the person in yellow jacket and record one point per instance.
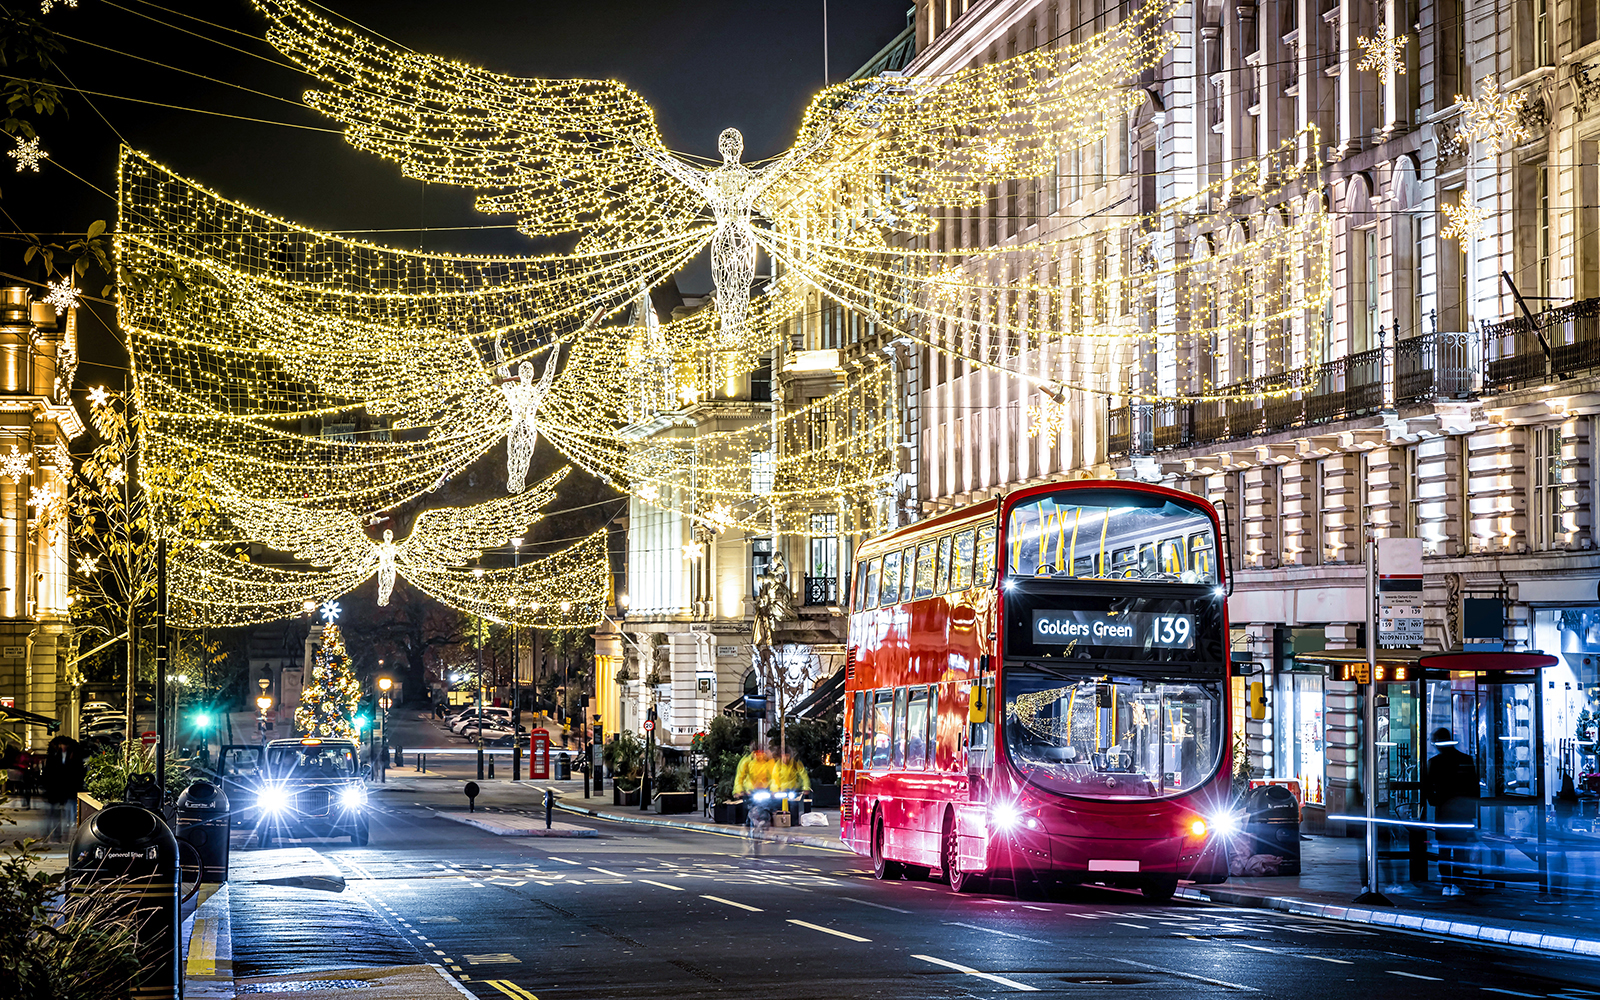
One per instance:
(755, 771)
(789, 775)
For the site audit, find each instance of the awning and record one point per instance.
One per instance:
(27, 718)
(823, 697)
(1487, 661)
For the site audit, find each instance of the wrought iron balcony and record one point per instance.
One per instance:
(822, 590)
(1558, 343)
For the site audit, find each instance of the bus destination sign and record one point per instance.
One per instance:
(1095, 628)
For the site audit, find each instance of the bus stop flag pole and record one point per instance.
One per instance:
(1369, 741)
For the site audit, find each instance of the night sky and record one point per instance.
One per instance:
(704, 66)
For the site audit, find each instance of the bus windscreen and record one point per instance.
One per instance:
(1087, 535)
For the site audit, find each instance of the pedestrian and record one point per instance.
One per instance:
(1451, 787)
(61, 780)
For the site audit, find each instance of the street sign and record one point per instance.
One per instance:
(148, 739)
(1400, 620)
(649, 724)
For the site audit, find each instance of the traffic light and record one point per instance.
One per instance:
(1258, 700)
(201, 720)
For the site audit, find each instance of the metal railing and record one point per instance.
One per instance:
(1557, 343)
(1436, 366)
(822, 590)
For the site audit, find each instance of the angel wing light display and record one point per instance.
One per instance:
(252, 336)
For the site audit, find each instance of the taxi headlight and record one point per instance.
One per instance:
(353, 798)
(272, 799)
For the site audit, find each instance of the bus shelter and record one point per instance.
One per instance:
(1490, 702)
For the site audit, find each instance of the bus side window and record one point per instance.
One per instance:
(1084, 566)
(1172, 556)
(983, 557)
(859, 730)
(924, 581)
(961, 566)
(1200, 557)
(933, 726)
(899, 741)
(907, 558)
(882, 707)
(941, 569)
(1125, 562)
(860, 601)
(889, 584)
(917, 729)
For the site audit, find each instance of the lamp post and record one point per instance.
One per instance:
(516, 679)
(384, 684)
(263, 704)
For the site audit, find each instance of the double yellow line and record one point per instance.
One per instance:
(510, 989)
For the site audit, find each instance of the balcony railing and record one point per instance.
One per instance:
(1436, 366)
(1557, 343)
(822, 590)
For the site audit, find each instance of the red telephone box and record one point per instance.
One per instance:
(539, 755)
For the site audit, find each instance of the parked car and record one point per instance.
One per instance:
(312, 787)
(490, 717)
(102, 725)
(96, 708)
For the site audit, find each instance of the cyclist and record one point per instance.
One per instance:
(790, 781)
(753, 782)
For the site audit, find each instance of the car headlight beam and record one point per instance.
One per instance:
(272, 799)
(353, 798)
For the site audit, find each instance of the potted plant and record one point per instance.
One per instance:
(726, 741)
(672, 793)
(624, 755)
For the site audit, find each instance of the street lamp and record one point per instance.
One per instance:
(384, 684)
(263, 705)
(516, 678)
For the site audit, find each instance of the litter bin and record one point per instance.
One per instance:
(563, 767)
(203, 824)
(1272, 826)
(125, 854)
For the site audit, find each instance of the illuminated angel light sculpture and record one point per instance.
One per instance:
(523, 396)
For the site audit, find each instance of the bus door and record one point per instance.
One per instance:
(980, 740)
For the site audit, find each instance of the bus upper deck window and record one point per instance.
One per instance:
(924, 580)
(983, 558)
(907, 559)
(941, 570)
(869, 590)
(889, 584)
(961, 564)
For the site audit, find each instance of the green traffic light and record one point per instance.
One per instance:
(203, 719)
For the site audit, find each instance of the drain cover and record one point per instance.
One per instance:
(305, 986)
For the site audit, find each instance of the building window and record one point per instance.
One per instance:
(760, 558)
(1545, 514)
(822, 569)
(1409, 522)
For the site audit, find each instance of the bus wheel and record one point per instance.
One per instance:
(1159, 888)
(960, 881)
(882, 868)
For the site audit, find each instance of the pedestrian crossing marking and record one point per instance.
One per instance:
(510, 989)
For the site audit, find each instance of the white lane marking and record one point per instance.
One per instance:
(852, 899)
(1137, 927)
(1186, 975)
(1002, 980)
(1257, 947)
(729, 902)
(1041, 909)
(1322, 958)
(562, 860)
(607, 871)
(991, 930)
(1413, 975)
(663, 885)
(1514, 993)
(829, 930)
(1082, 916)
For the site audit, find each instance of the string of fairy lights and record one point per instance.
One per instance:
(324, 382)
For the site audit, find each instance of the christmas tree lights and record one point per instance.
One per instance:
(331, 695)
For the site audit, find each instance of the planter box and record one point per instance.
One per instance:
(729, 812)
(824, 796)
(621, 797)
(672, 802)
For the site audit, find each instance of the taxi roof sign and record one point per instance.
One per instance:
(310, 741)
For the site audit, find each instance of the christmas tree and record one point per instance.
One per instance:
(328, 702)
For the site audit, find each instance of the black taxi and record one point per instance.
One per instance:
(312, 787)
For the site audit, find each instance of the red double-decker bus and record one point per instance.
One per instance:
(1037, 687)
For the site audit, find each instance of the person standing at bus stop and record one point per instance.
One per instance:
(1451, 787)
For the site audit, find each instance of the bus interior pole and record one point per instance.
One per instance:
(1369, 739)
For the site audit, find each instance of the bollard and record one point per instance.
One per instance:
(399, 756)
(203, 824)
(126, 854)
(491, 765)
(549, 806)
(472, 796)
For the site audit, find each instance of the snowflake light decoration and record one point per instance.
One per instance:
(63, 296)
(1385, 53)
(41, 497)
(28, 154)
(1047, 419)
(88, 565)
(1493, 117)
(331, 611)
(117, 474)
(1466, 220)
(720, 518)
(99, 396)
(45, 6)
(16, 465)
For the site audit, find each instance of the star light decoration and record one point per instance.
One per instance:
(17, 465)
(1494, 117)
(63, 296)
(1465, 220)
(331, 611)
(1385, 53)
(28, 154)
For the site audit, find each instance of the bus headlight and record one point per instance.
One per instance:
(1197, 828)
(272, 799)
(1225, 824)
(353, 798)
(1004, 816)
